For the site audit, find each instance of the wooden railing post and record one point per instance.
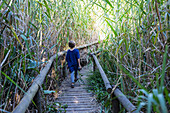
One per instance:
(94, 65)
(37, 100)
(64, 70)
(115, 104)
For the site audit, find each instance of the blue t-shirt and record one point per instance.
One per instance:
(72, 59)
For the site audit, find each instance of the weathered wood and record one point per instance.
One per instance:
(87, 45)
(94, 65)
(29, 95)
(24, 103)
(79, 99)
(115, 104)
(119, 95)
(37, 100)
(64, 70)
(106, 81)
(124, 101)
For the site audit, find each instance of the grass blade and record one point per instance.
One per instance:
(12, 81)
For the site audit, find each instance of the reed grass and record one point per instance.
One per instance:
(136, 41)
(34, 30)
(135, 49)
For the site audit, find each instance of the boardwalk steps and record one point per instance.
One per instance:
(78, 99)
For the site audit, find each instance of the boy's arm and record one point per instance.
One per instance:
(79, 63)
(78, 57)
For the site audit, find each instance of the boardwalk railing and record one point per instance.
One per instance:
(117, 95)
(32, 91)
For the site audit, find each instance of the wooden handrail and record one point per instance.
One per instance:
(119, 95)
(124, 101)
(24, 103)
(87, 45)
(104, 77)
(29, 95)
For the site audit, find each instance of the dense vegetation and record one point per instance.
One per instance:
(30, 32)
(135, 51)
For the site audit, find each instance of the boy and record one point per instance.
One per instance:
(73, 60)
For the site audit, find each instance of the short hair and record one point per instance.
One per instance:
(71, 44)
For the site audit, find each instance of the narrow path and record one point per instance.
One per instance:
(78, 99)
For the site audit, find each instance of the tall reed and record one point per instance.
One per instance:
(33, 30)
(136, 42)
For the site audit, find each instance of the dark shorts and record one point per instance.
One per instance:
(73, 68)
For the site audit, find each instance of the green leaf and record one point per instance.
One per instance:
(101, 6)
(48, 92)
(40, 3)
(2, 4)
(107, 1)
(22, 76)
(140, 6)
(167, 95)
(14, 33)
(25, 39)
(140, 106)
(155, 92)
(120, 44)
(162, 103)
(112, 28)
(132, 77)
(33, 25)
(48, 9)
(143, 91)
(120, 19)
(150, 98)
(163, 68)
(32, 64)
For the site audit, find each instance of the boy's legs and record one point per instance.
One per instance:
(76, 75)
(72, 76)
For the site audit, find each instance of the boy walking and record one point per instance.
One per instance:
(73, 60)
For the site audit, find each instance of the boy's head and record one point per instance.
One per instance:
(71, 44)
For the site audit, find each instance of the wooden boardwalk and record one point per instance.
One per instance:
(78, 99)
